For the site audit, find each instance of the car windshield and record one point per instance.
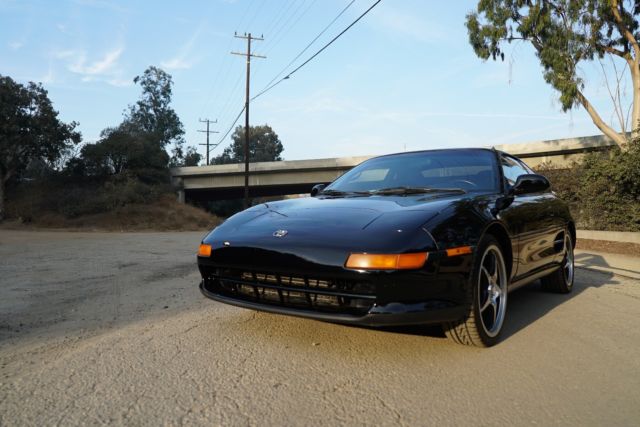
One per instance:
(427, 171)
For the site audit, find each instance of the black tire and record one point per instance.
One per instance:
(561, 280)
(486, 301)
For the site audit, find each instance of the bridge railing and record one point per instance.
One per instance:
(297, 176)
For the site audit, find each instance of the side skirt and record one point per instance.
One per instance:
(533, 276)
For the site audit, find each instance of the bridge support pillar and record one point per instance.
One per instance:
(181, 197)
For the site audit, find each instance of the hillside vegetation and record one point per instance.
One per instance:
(161, 214)
(49, 178)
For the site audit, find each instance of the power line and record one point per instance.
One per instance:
(230, 127)
(248, 55)
(225, 112)
(318, 52)
(277, 19)
(273, 30)
(216, 83)
(280, 20)
(268, 88)
(287, 26)
(208, 132)
(276, 37)
(311, 43)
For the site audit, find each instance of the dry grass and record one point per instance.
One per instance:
(166, 214)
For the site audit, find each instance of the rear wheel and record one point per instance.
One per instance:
(487, 295)
(561, 280)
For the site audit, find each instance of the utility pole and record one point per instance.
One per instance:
(207, 121)
(249, 55)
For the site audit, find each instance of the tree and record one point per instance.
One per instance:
(123, 150)
(565, 33)
(264, 146)
(152, 114)
(181, 158)
(29, 130)
(137, 146)
(192, 157)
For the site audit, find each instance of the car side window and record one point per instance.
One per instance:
(512, 169)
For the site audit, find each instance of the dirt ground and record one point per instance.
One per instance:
(623, 248)
(100, 328)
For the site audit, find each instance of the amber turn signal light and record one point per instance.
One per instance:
(386, 261)
(461, 250)
(204, 250)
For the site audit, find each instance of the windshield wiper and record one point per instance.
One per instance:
(416, 190)
(331, 192)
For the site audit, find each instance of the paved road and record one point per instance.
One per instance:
(110, 328)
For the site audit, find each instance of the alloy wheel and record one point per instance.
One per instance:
(568, 266)
(492, 286)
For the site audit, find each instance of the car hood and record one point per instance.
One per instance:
(352, 223)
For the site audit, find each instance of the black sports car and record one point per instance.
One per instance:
(435, 236)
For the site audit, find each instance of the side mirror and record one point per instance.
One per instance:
(531, 183)
(316, 189)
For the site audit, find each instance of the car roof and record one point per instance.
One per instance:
(493, 150)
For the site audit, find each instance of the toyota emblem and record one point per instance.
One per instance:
(280, 233)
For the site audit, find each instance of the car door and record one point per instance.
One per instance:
(531, 219)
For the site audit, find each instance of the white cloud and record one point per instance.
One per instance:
(120, 82)
(66, 53)
(64, 29)
(408, 25)
(105, 68)
(184, 59)
(320, 101)
(48, 78)
(102, 4)
(15, 45)
(177, 63)
(106, 65)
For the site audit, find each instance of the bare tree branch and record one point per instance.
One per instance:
(614, 95)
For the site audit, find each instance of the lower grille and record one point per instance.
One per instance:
(329, 295)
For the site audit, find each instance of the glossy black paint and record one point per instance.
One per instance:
(322, 231)
(531, 183)
(317, 189)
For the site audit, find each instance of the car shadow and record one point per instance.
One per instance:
(528, 304)
(595, 261)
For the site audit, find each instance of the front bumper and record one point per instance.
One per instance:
(389, 314)
(280, 282)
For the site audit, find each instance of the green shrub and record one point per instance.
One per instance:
(564, 181)
(610, 190)
(603, 190)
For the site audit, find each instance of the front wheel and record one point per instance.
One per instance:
(561, 280)
(487, 293)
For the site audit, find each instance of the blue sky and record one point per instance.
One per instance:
(403, 78)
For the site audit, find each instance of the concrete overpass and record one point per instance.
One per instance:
(220, 182)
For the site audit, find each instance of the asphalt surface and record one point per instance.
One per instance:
(99, 328)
